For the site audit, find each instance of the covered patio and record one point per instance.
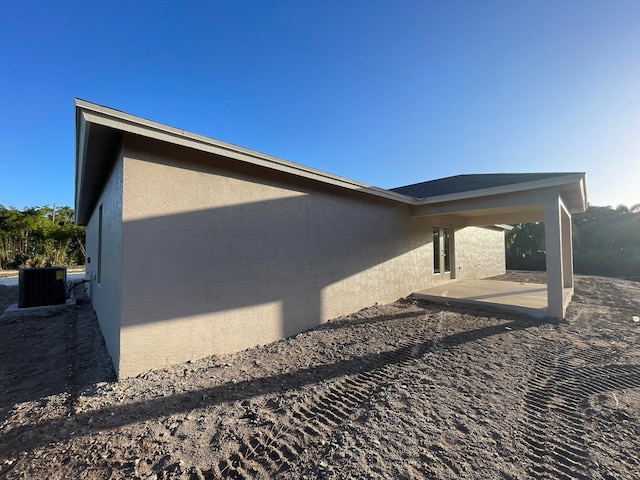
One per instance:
(488, 200)
(526, 298)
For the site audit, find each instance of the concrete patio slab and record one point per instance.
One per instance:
(14, 311)
(527, 298)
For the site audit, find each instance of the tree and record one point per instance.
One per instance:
(526, 239)
(606, 242)
(40, 236)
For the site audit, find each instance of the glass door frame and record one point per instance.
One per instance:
(443, 253)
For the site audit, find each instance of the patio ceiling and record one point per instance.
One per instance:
(495, 199)
(510, 203)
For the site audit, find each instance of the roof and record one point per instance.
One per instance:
(99, 131)
(467, 183)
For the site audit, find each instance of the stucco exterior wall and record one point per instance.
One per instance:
(202, 255)
(104, 286)
(479, 253)
(219, 257)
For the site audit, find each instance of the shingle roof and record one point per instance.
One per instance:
(466, 183)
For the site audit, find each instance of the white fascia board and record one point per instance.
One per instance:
(560, 180)
(82, 138)
(583, 193)
(125, 122)
(511, 188)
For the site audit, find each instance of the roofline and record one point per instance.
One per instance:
(80, 151)
(558, 181)
(91, 113)
(88, 114)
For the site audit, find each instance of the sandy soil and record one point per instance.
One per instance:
(406, 390)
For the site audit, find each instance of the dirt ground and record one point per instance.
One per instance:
(406, 390)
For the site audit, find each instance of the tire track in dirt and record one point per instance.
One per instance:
(287, 431)
(556, 407)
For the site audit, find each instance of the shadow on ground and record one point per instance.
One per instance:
(49, 352)
(78, 360)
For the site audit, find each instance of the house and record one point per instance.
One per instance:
(198, 247)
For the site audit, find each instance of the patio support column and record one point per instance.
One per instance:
(557, 237)
(567, 254)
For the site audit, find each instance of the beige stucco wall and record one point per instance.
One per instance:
(218, 257)
(105, 294)
(479, 252)
(203, 255)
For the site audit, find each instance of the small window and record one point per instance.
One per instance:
(99, 272)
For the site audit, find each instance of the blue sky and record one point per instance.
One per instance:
(384, 92)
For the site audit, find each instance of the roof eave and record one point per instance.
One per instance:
(88, 114)
(562, 180)
(80, 155)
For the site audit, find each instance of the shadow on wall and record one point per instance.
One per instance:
(305, 257)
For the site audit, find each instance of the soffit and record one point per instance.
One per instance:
(505, 204)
